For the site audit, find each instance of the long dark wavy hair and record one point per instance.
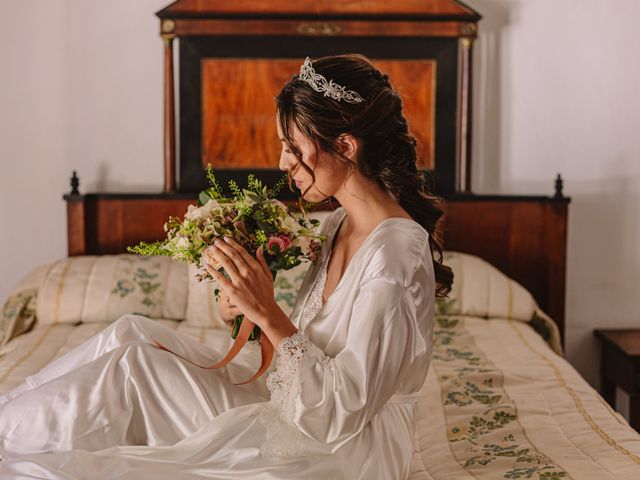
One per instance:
(388, 150)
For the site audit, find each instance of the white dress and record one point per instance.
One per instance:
(338, 401)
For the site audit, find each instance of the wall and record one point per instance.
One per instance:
(81, 89)
(555, 91)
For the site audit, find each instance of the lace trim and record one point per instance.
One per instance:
(283, 436)
(314, 301)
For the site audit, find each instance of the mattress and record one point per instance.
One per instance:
(497, 403)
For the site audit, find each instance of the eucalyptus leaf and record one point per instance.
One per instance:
(203, 198)
(251, 195)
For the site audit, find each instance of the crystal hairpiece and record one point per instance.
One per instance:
(330, 88)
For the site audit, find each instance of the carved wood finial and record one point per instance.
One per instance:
(558, 187)
(75, 183)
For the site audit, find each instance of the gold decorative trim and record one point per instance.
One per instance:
(318, 28)
(63, 276)
(510, 299)
(167, 26)
(468, 28)
(576, 399)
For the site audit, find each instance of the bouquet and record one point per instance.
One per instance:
(253, 218)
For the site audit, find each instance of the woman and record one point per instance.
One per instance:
(339, 402)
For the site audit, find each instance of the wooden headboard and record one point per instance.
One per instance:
(234, 56)
(523, 236)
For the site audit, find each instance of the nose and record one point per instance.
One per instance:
(285, 163)
(281, 163)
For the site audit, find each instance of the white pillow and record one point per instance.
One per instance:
(19, 309)
(102, 288)
(481, 290)
(202, 307)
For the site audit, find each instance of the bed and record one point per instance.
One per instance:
(500, 401)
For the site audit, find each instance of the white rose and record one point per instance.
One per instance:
(304, 243)
(291, 224)
(197, 213)
(183, 243)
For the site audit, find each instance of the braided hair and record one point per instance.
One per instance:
(388, 149)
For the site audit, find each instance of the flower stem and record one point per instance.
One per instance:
(255, 333)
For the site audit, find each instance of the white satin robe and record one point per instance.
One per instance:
(338, 402)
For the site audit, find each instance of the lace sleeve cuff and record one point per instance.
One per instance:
(283, 436)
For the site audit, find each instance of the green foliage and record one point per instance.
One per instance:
(486, 420)
(540, 326)
(261, 238)
(235, 189)
(251, 216)
(472, 393)
(277, 187)
(215, 191)
(445, 306)
(144, 248)
(444, 322)
(255, 190)
(528, 472)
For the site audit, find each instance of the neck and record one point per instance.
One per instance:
(366, 205)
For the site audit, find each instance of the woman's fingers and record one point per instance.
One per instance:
(230, 264)
(240, 250)
(222, 282)
(223, 252)
(248, 259)
(263, 263)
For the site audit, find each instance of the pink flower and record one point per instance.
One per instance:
(314, 250)
(281, 240)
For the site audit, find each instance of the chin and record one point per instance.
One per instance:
(313, 196)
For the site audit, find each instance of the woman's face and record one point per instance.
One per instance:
(329, 172)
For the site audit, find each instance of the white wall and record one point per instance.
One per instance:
(555, 91)
(80, 88)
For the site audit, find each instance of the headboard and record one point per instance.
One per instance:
(523, 236)
(233, 57)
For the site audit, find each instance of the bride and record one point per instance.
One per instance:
(339, 400)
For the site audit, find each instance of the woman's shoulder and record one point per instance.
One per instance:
(397, 248)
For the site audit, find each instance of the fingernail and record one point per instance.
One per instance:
(226, 239)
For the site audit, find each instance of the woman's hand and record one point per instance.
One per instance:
(250, 286)
(228, 311)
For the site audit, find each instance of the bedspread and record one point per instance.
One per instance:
(497, 403)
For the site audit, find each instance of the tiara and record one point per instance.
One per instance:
(330, 88)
